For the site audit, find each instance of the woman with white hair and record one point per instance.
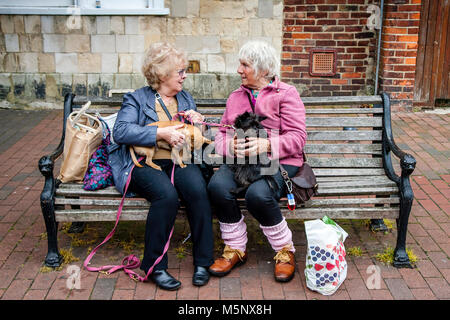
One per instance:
(164, 68)
(262, 93)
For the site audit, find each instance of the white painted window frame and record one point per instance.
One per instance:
(83, 7)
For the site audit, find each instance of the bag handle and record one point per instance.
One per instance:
(87, 128)
(161, 102)
(81, 112)
(108, 131)
(251, 102)
(284, 173)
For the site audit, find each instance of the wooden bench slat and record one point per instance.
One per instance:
(96, 100)
(355, 179)
(214, 114)
(315, 101)
(355, 176)
(299, 213)
(357, 191)
(341, 100)
(344, 111)
(101, 202)
(219, 110)
(351, 201)
(143, 203)
(342, 213)
(348, 172)
(307, 101)
(103, 111)
(343, 122)
(345, 162)
(357, 184)
(323, 191)
(354, 148)
(211, 111)
(70, 215)
(209, 102)
(78, 191)
(372, 135)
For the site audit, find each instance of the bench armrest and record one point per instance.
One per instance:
(407, 161)
(46, 162)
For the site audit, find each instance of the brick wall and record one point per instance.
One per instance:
(335, 24)
(399, 46)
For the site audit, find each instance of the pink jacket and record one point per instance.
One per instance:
(285, 123)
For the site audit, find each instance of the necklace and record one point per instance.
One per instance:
(256, 92)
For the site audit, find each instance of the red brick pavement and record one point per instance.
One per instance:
(23, 248)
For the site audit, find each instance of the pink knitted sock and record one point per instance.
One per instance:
(235, 234)
(279, 236)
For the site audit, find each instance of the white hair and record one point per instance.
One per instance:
(262, 56)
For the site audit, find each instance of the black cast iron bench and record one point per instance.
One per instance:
(349, 147)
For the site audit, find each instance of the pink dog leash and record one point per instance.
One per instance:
(129, 262)
(182, 114)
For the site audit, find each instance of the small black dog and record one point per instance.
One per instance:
(247, 173)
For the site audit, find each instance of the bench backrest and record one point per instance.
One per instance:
(344, 148)
(344, 133)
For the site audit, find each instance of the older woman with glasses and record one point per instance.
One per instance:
(262, 93)
(164, 67)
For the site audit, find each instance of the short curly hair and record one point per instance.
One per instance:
(159, 61)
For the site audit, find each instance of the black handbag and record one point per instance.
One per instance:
(302, 186)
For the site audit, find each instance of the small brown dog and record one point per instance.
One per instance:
(192, 135)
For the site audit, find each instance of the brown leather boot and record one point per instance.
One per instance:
(285, 265)
(230, 258)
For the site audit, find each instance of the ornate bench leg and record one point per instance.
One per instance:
(53, 258)
(401, 259)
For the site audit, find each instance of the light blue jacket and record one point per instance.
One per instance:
(138, 110)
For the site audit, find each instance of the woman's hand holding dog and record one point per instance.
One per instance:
(194, 116)
(171, 135)
(251, 146)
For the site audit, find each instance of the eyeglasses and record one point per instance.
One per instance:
(182, 72)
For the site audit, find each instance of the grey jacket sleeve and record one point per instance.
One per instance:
(127, 129)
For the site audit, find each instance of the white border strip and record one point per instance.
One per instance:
(84, 11)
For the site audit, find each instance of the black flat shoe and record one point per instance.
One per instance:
(164, 280)
(200, 277)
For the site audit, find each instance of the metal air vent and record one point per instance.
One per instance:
(322, 62)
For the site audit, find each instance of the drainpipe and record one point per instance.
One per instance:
(379, 46)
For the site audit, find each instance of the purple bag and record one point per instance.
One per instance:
(99, 174)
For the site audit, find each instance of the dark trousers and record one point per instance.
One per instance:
(189, 185)
(261, 200)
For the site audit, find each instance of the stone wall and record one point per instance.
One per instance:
(44, 57)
